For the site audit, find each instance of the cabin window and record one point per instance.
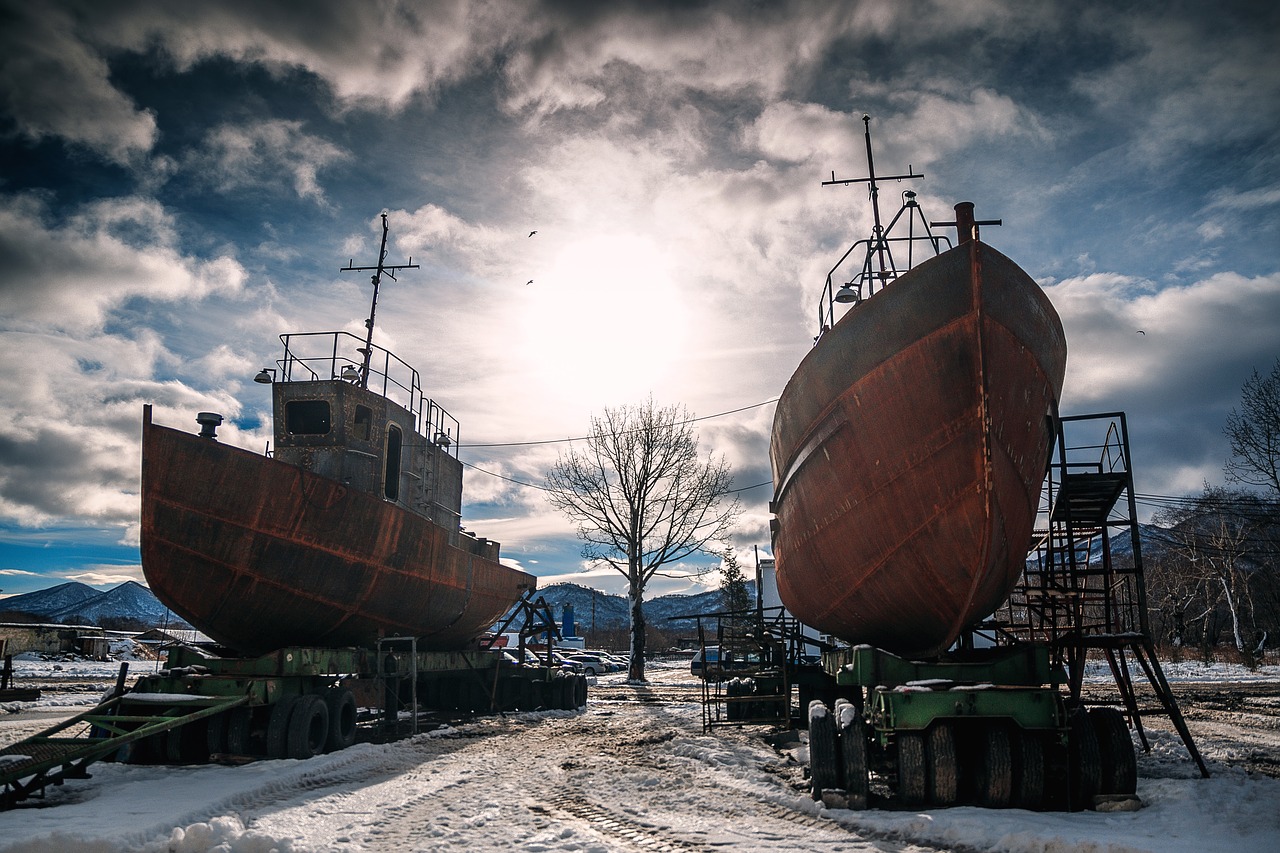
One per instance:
(307, 417)
(364, 423)
(391, 480)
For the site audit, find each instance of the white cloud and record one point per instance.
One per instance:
(369, 53)
(1173, 358)
(69, 427)
(1187, 81)
(581, 62)
(264, 153)
(105, 575)
(68, 275)
(54, 84)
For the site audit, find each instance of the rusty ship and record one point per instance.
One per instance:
(909, 447)
(348, 531)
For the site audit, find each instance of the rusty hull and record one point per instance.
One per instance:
(908, 451)
(261, 554)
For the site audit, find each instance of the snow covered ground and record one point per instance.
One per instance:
(632, 772)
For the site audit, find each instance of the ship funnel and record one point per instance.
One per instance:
(209, 423)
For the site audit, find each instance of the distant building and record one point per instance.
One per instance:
(53, 639)
(174, 636)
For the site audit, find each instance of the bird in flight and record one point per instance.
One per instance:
(529, 282)
(1141, 332)
(531, 233)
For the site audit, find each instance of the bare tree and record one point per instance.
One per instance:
(1222, 545)
(642, 499)
(1254, 432)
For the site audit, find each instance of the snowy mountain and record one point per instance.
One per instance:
(598, 610)
(1153, 540)
(130, 600)
(45, 602)
(80, 604)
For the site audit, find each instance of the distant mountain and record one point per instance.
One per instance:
(80, 604)
(130, 600)
(593, 609)
(1153, 540)
(45, 602)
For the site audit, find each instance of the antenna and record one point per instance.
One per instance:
(376, 278)
(877, 234)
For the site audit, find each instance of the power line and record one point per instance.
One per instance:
(545, 489)
(584, 437)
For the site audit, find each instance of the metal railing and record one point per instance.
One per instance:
(319, 356)
(879, 264)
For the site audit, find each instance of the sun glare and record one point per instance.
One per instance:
(607, 313)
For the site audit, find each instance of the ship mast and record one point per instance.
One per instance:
(376, 278)
(877, 233)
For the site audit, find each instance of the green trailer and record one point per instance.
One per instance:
(292, 703)
(989, 726)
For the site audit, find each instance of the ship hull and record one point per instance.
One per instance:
(908, 451)
(260, 554)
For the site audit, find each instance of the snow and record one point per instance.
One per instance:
(626, 773)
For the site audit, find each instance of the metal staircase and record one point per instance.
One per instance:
(1082, 591)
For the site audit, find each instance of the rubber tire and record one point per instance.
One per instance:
(1028, 770)
(186, 744)
(341, 704)
(853, 755)
(1115, 746)
(912, 775)
(580, 693)
(823, 770)
(564, 692)
(1084, 762)
(216, 733)
(308, 727)
(278, 727)
(943, 768)
(239, 726)
(993, 771)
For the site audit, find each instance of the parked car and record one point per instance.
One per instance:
(566, 663)
(592, 664)
(710, 664)
(622, 661)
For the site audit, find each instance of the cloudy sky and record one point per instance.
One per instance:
(182, 182)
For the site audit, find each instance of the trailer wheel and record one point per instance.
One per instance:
(278, 727)
(341, 704)
(538, 692)
(567, 688)
(993, 776)
(216, 733)
(239, 723)
(186, 744)
(1028, 770)
(911, 769)
(1115, 746)
(853, 752)
(823, 772)
(943, 772)
(1084, 761)
(308, 727)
